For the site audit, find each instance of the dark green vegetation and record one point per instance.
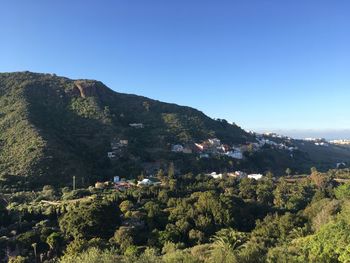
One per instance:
(187, 219)
(53, 128)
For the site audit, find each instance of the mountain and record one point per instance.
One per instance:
(53, 128)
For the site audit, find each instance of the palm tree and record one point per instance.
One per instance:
(226, 244)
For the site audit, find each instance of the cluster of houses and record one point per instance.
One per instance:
(214, 147)
(318, 141)
(340, 142)
(236, 174)
(121, 184)
(117, 148)
(276, 136)
(282, 146)
(208, 148)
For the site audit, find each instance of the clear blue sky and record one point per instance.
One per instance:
(264, 64)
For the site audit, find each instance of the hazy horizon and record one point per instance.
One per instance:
(328, 134)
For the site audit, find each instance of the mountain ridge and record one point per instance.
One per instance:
(69, 120)
(53, 128)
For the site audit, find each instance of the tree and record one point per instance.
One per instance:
(91, 220)
(18, 259)
(160, 174)
(342, 191)
(247, 188)
(264, 191)
(124, 237)
(288, 171)
(54, 240)
(92, 255)
(152, 208)
(4, 220)
(319, 179)
(171, 171)
(196, 236)
(173, 184)
(226, 244)
(126, 206)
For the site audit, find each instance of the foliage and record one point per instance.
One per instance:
(90, 220)
(203, 220)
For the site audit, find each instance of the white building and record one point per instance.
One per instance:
(148, 182)
(144, 182)
(123, 142)
(214, 142)
(215, 175)
(235, 154)
(341, 142)
(255, 176)
(204, 155)
(111, 155)
(136, 125)
(177, 148)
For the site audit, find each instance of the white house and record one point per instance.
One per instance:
(136, 125)
(215, 142)
(111, 155)
(144, 182)
(123, 142)
(204, 155)
(215, 175)
(147, 182)
(177, 148)
(255, 176)
(235, 154)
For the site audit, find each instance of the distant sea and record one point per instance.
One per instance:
(327, 134)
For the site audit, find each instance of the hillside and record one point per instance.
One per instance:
(53, 128)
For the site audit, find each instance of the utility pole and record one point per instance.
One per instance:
(34, 245)
(73, 183)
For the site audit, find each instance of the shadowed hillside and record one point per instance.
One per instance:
(53, 128)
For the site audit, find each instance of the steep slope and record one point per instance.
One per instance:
(53, 128)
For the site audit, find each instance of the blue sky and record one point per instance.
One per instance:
(264, 64)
